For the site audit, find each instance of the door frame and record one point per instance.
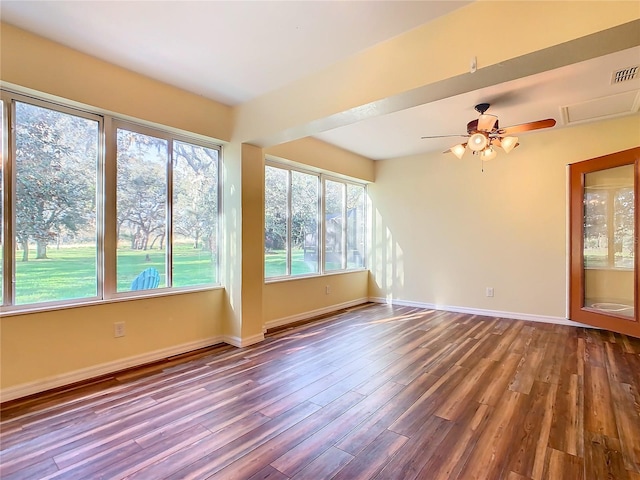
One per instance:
(577, 311)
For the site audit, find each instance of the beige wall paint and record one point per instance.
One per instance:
(609, 285)
(444, 230)
(315, 153)
(294, 298)
(252, 241)
(41, 346)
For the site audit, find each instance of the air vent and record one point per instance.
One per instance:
(625, 75)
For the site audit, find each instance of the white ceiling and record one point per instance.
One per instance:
(234, 51)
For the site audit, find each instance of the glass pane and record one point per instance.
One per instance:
(334, 225)
(355, 226)
(56, 159)
(304, 223)
(276, 181)
(609, 222)
(141, 211)
(195, 214)
(2, 133)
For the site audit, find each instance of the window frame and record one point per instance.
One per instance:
(323, 177)
(106, 184)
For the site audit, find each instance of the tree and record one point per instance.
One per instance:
(141, 190)
(275, 211)
(56, 163)
(195, 194)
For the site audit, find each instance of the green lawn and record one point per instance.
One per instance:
(70, 272)
(275, 264)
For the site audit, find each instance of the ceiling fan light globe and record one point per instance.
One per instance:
(508, 143)
(477, 142)
(458, 150)
(488, 154)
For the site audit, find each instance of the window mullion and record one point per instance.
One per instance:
(345, 224)
(8, 224)
(289, 215)
(109, 211)
(169, 216)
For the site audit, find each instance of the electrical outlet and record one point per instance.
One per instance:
(118, 329)
(489, 292)
(327, 290)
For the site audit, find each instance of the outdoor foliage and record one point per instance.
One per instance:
(56, 160)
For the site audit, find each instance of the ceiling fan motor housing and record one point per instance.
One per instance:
(472, 126)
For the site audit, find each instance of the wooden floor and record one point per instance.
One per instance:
(373, 392)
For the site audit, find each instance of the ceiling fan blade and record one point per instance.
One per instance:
(446, 136)
(526, 127)
(486, 122)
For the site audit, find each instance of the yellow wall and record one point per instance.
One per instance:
(315, 153)
(444, 230)
(609, 285)
(293, 300)
(41, 347)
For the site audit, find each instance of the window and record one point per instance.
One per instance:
(165, 190)
(299, 240)
(55, 166)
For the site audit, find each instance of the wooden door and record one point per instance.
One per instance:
(604, 242)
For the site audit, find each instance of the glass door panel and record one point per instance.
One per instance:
(608, 243)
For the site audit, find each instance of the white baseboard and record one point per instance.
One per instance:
(279, 322)
(25, 389)
(478, 311)
(243, 342)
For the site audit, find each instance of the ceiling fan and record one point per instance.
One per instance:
(485, 134)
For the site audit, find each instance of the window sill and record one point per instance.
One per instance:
(49, 307)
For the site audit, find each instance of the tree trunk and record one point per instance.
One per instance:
(41, 249)
(25, 250)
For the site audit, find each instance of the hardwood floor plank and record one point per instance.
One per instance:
(358, 439)
(325, 466)
(213, 458)
(489, 457)
(299, 456)
(527, 370)
(598, 404)
(423, 407)
(248, 464)
(373, 457)
(541, 451)
(269, 473)
(458, 399)
(528, 458)
(565, 466)
(566, 425)
(409, 462)
(603, 458)
(457, 445)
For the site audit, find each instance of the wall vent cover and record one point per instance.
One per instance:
(625, 74)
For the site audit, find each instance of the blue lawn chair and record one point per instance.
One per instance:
(147, 279)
